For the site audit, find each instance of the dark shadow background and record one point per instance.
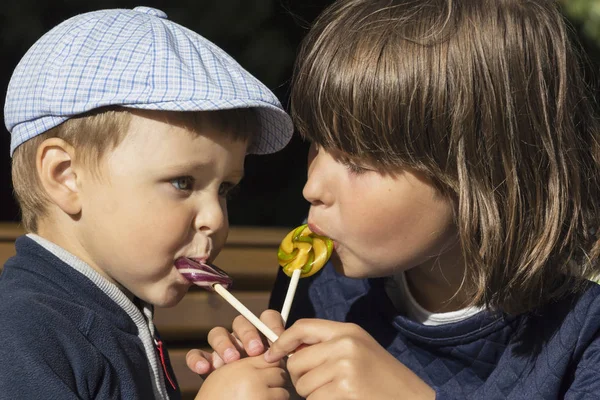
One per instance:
(262, 35)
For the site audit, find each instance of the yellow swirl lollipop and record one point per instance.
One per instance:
(304, 250)
(301, 253)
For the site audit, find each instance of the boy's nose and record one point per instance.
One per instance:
(211, 216)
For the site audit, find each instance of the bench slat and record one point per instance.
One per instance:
(199, 312)
(189, 382)
(242, 235)
(7, 250)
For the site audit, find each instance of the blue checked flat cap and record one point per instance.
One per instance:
(137, 59)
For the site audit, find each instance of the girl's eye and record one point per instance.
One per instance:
(354, 168)
(183, 183)
(227, 189)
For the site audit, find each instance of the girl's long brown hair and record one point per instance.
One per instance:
(487, 98)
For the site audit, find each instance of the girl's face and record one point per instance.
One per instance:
(380, 223)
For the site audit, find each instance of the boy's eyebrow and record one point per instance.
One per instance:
(185, 165)
(197, 165)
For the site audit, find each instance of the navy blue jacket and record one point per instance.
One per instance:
(552, 354)
(64, 338)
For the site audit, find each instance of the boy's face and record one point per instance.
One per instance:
(381, 224)
(161, 196)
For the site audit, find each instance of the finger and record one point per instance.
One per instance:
(275, 377)
(250, 339)
(309, 359)
(278, 394)
(313, 381)
(201, 362)
(329, 391)
(259, 362)
(305, 331)
(223, 344)
(273, 320)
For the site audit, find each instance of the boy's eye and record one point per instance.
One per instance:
(183, 183)
(227, 189)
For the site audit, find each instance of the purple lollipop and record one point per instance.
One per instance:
(212, 278)
(203, 274)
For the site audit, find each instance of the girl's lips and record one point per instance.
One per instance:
(316, 230)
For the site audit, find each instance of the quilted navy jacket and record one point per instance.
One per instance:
(552, 354)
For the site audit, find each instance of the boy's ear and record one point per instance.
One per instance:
(57, 172)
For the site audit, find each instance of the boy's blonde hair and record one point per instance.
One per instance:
(95, 133)
(487, 99)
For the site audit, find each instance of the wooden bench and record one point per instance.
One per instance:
(250, 257)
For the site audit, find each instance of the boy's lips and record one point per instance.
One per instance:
(202, 273)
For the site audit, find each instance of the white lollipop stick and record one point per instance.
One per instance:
(242, 309)
(289, 297)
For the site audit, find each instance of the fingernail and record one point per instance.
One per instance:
(202, 366)
(268, 355)
(230, 355)
(255, 345)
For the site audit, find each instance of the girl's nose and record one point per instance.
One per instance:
(317, 190)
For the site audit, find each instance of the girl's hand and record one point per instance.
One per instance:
(249, 379)
(342, 361)
(228, 347)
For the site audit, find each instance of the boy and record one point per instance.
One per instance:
(128, 131)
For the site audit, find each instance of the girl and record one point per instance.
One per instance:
(455, 163)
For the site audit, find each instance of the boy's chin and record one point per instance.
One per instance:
(170, 299)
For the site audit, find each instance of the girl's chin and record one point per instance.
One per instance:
(347, 270)
(358, 269)
(337, 264)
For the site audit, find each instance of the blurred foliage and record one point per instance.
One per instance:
(585, 13)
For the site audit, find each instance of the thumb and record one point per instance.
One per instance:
(202, 362)
(273, 320)
(303, 332)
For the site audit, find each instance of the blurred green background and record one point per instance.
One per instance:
(586, 13)
(263, 36)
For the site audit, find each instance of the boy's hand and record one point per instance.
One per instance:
(249, 379)
(245, 341)
(342, 361)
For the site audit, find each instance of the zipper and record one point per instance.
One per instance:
(161, 353)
